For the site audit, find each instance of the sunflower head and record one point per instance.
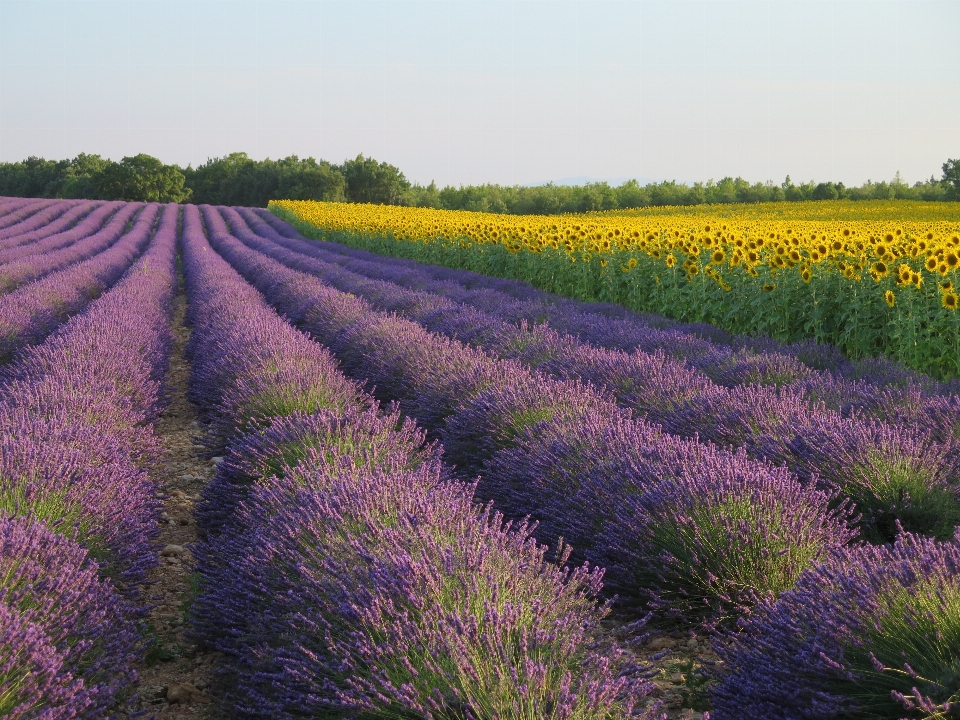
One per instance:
(717, 256)
(890, 298)
(950, 300)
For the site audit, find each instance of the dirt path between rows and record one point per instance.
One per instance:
(174, 678)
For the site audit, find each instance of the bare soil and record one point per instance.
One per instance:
(176, 674)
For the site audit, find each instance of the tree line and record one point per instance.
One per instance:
(237, 179)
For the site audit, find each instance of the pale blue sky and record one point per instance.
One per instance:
(469, 91)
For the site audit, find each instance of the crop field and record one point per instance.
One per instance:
(425, 492)
(870, 278)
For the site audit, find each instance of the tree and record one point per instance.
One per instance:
(83, 176)
(309, 180)
(371, 182)
(825, 191)
(142, 178)
(951, 177)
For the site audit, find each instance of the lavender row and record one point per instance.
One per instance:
(604, 325)
(30, 313)
(52, 234)
(54, 218)
(345, 572)
(28, 215)
(88, 238)
(78, 512)
(872, 633)
(901, 466)
(898, 405)
(695, 528)
(10, 207)
(867, 632)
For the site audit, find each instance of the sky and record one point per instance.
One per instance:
(475, 91)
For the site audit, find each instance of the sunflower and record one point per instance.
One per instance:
(632, 262)
(931, 263)
(769, 287)
(880, 269)
(950, 300)
(717, 256)
(671, 261)
(890, 298)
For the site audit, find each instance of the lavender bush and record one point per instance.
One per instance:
(365, 437)
(393, 593)
(766, 403)
(31, 312)
(360, 535)
(75, 443)
(65, 649)
(55, 221)
(895, 476)
(872, 633)
(34, 260)
(32, 678)
(22, 215)
(497, 417)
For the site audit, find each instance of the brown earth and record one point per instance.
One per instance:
(176, 674)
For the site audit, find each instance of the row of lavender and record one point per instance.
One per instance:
(47, 221)
(78, 512)
(29, 313)
(695, 527)
(895, 453)
(727, 358)
(344, 571)
(28, 214)
(91, 231)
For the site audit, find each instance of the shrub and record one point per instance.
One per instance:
(874, 632)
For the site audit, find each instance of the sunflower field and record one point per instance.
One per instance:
(871, 278)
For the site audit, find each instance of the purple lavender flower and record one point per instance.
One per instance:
(394, 592)
(893, 475)
(365, 437)
(872, 632)
(57, 612)
(31, 312)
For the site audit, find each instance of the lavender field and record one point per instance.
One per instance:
(435, 494)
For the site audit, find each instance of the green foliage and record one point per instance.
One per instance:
(951, 178)
(141, 178)
(371, 182)
(238, 180)
(138, 178)
(553, 199)
(82, 176)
